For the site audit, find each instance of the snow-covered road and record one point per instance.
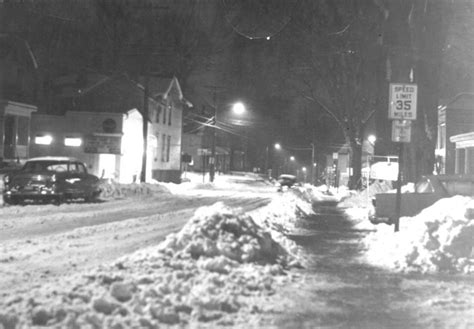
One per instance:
(219, 255)
(42, 243)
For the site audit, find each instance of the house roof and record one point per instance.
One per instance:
(462, 101)
(117, 93)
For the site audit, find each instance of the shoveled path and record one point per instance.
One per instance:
(340, 290)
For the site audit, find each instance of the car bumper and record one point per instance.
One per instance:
(37, 192)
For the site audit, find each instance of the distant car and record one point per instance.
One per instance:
(285, 180)
(53, 179)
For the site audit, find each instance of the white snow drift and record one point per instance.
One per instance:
(215, 271)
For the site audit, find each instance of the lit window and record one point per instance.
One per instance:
(43, 140)
(72, 141)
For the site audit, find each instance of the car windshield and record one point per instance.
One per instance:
(35, 166)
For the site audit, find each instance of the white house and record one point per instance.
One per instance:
(103, 126)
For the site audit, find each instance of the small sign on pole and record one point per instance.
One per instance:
(402, 101)
(401, 131)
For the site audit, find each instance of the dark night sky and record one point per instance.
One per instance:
(236, 49)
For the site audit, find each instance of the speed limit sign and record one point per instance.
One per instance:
(402, 101)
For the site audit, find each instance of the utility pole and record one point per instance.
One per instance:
(266, 162)
(145, 129)
(312, 163)
(212, 159)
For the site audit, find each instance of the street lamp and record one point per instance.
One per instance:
(237, 108)
(372, 139)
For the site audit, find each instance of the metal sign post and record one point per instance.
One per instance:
(402, 110)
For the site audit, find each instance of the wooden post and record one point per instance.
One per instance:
(399, 188)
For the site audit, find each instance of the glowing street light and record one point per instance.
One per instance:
(277, 146)
(238, 108)
(292, 158)
(372, 139)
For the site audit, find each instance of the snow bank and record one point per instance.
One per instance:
(439, 239)
(358, 205)
(216, 271)
(364, 198)
(283, 213)
(113, 190)
(221, 231)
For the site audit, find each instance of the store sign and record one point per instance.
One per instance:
(401, 131)
(102, 144)
(402, 101)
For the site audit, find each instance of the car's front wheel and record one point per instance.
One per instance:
(11, 200)
(92, 197)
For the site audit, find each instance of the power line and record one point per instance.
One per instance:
(265, 8)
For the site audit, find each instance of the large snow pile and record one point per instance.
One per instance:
(220, 231)
(284, 212)
(439, 239)
(218, 270)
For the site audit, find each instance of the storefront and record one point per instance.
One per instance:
(15, 130)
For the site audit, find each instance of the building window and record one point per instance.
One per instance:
(169, 115)
(168, 146)
(470, 160)
(43, 140)
(72, 141)
(163, 147)
(23, 129)
(442, 136)
(157, 114)
(460, 161)
(164, 116)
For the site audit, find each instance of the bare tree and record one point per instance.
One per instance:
(333, 65)
(414, 36)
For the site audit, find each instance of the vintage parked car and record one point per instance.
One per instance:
(53, 179)
(285, 180)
